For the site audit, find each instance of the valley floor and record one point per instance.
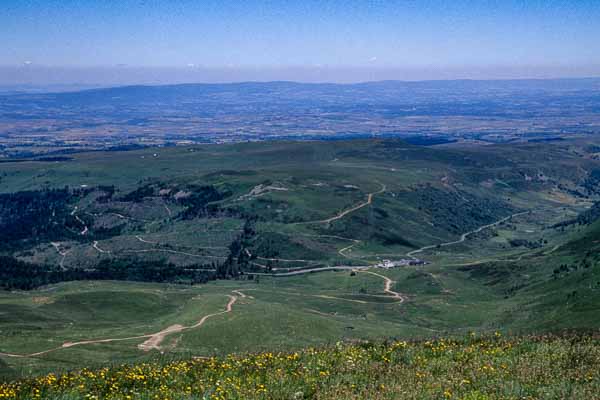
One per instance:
(495, 253)
(287, 310)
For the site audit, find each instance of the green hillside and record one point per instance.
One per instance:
(133, 256)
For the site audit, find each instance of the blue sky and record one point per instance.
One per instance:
(280, 34)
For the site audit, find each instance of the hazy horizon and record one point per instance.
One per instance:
(41, 76)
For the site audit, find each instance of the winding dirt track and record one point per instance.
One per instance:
(387, 286)
(153, 340)
(98, 249)
(61, 252)
(342, 253)
(141, 239)
(156, 250)
(346, 212)
(464, 236)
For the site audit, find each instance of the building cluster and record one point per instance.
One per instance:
(400, 263)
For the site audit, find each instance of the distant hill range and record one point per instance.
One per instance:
(443, 111)
(296, 93)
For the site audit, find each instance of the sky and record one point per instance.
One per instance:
(309, 40)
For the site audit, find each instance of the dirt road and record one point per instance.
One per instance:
(345, 212)
(141, 239)
(364, 269)
(464, 236)
(61, 252)
(387, 286)
(342, 253)
(153, 340)
(95, 246)
(310, 270)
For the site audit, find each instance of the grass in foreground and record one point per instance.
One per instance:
(473, 368)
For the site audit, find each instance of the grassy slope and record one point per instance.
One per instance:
(543, 299)
(471, 369)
